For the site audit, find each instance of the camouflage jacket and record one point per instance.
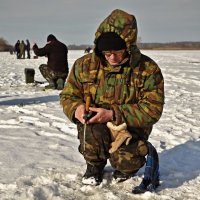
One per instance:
(133, 90)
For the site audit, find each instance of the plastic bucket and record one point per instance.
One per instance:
(29, 75)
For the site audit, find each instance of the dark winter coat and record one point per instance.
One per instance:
(28, 46)
(56, 53)
(17, 46)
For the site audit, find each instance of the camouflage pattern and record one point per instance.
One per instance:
(123, 24)
(51, 75)
(97, 142)
(126, 159)
(129, 159)
(133, 90)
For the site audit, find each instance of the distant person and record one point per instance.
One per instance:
(22, 48)
(124, 90)
(17, 50)
(87, 50)
(28, 48)
(56, 70)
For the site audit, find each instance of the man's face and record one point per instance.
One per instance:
(114, 57)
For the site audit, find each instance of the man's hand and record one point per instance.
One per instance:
(34, 45)
(80, 111)
(101, 115)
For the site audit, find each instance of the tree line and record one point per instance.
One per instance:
(170, 46)
(5, 46)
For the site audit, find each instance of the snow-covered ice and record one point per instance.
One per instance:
(39, 159)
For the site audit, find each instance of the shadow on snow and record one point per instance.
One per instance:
(179, 164)
(28, 101)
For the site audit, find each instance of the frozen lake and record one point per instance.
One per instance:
(39, 159)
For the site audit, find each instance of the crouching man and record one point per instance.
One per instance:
(126, 89)
(56, 69)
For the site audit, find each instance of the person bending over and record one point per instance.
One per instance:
(56, 69)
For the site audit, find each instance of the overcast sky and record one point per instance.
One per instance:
(75, 21)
